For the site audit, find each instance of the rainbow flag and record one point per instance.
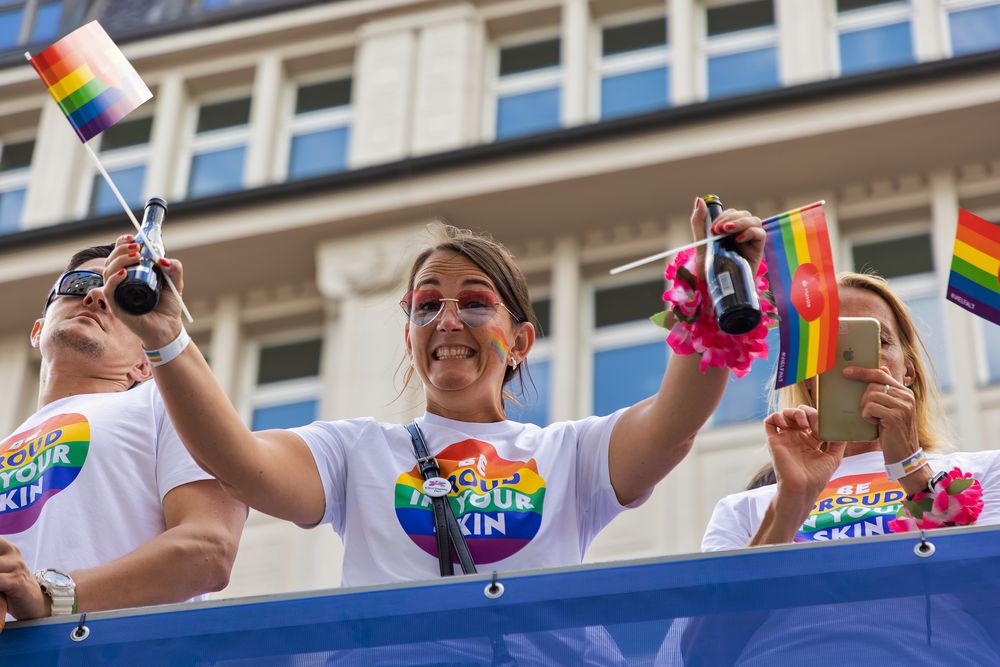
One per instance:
(804, 285)
(974, 281)
(90, 80)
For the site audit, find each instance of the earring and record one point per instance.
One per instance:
(513, 363)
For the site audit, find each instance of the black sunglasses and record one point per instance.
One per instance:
(74, 283)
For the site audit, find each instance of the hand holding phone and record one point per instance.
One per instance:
(839, 399)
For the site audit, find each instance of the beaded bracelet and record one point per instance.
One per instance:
(956, 500)
(694, 329)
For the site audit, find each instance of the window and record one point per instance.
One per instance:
(873, 34)
(528, 89)
(745, 398)
(124, 150)
(286, 387)
(742, 52)
(974, 26)
(48, 17)
(15, 163)
(320, 128)
(630, 355)
(907, 262)
(634, 68)
(219, 148)
(532, 399)
(34, 21)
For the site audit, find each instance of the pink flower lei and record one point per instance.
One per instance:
(957, 500)
(693, 328)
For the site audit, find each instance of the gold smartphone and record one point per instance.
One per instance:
(839, 399)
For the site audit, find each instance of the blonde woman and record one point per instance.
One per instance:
(821, 491)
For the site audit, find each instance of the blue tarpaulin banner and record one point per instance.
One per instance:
(875, 601)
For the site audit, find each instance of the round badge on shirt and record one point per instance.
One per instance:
(437, 487)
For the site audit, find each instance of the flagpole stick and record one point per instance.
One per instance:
(673, 251)
(131, 216)
(660, 255)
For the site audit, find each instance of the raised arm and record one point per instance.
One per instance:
(803, 466)
(655, 434)
(252, 467)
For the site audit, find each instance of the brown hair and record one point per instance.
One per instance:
(498, 264)
(930, 417)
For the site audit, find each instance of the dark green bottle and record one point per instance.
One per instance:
(730, 281)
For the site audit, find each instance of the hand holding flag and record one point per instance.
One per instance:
(95, 86)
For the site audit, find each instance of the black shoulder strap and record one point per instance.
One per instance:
(449, 533)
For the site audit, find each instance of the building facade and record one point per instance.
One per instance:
(304, 146)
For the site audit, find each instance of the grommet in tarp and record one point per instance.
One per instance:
(81, 631)
(494, 589)
(924, 548)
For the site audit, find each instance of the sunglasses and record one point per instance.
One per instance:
(475, 308)
(75, 283)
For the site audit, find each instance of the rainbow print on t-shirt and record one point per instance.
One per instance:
(498, 503)
(853, 506)
(38, 463)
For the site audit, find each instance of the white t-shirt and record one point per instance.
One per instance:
(858, 501)
(82, 480)
(526, 497)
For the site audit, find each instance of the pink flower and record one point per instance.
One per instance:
(681, 340)
(703, 335)
(903, 524)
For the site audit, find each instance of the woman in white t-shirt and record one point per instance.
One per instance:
(820, 491)
(526, 497)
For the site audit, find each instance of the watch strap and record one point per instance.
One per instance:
(63, 598)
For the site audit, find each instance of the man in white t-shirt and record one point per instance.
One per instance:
(101, 507)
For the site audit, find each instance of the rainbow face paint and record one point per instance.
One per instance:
(499, 343)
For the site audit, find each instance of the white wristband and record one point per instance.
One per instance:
(170, 351)
(912, 463)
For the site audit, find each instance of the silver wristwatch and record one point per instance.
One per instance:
(60, 588)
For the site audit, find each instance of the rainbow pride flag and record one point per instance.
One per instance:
(804, 285)
(974, 281)
(90, 80)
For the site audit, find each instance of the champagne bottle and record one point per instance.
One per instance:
(730, 281)
(140, 291)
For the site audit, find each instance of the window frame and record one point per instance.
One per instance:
(113, 160)
(17, 179)
(29, 19)
(624, 63)
(947, 7)
(311, 121)
(213, 140)
(515, 84)
(752, 39)
(910, 286)
(543, 349)
(254, 396)
(613, 336)
(867, 18)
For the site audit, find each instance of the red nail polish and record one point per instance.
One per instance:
(729, 226)
(122, 272)
(133, 254)
(164, 262)
(133, 246)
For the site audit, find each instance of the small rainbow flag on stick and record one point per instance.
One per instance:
(974, 281)
(90, 80)
(804, 285)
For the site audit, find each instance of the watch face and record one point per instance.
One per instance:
(57, 579)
